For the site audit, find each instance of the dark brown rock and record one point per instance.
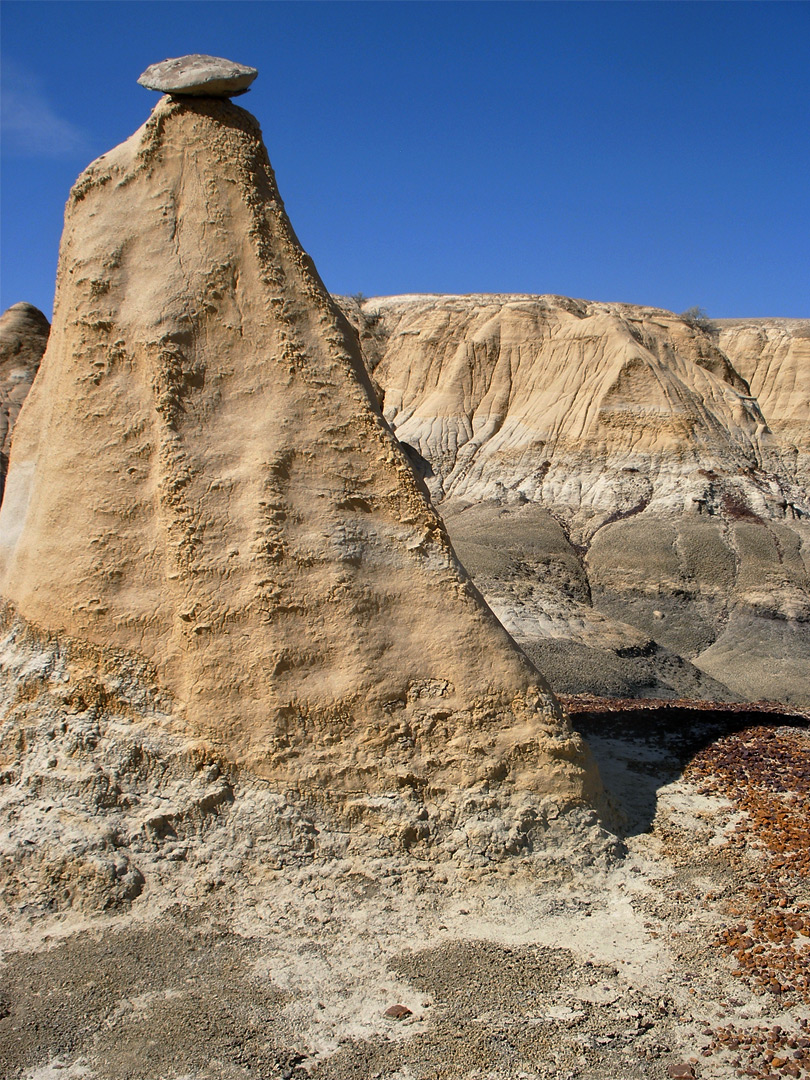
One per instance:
(397, 1012)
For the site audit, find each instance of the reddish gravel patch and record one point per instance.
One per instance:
(765, 773)
(767, 1053)
(756, 756)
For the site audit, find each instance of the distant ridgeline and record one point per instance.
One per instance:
(628, 487)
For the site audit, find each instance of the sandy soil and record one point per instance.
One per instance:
(687, 956)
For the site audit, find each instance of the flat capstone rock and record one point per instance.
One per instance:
(198, 76)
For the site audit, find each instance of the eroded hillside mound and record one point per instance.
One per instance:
(628, 489)
(23, 336)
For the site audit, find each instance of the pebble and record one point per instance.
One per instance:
(397, 1012)
(198, 76)
(682, 1071)
(766, 773)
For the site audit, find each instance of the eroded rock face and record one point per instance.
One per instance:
(584, 636)
(671, 462)
(23, 336)
(595, 409)
(773, 356)
(249, 559)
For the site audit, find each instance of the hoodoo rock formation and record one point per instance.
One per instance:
(208, 516)
(247, 688)
(629, 491)
(23, 336)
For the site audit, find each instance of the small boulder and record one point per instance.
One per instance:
(681, 1071)
(198, 76)
(397, 1012)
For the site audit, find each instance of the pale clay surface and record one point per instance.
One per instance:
(226, 935)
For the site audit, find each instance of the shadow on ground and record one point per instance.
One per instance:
(640, 750)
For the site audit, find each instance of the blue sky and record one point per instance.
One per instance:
(653, 153)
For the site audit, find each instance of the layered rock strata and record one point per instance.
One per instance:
(593, 408)
(210, 529)
(663, 467)
(773, 356)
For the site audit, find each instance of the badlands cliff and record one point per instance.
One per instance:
(629, 490)
(211, 536)
(651, 544)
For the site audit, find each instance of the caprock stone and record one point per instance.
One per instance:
(198, 75)
(202, 487)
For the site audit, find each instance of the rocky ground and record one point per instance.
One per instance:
(686, 955)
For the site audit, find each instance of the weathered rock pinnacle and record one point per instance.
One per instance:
(246, 521)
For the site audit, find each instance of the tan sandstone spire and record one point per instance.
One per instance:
(201, 477)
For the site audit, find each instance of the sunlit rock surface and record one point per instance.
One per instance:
(616, 479)
(226, 594)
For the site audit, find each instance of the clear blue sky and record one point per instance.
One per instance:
(654, 153)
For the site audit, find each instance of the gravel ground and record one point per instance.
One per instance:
(688, 956)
